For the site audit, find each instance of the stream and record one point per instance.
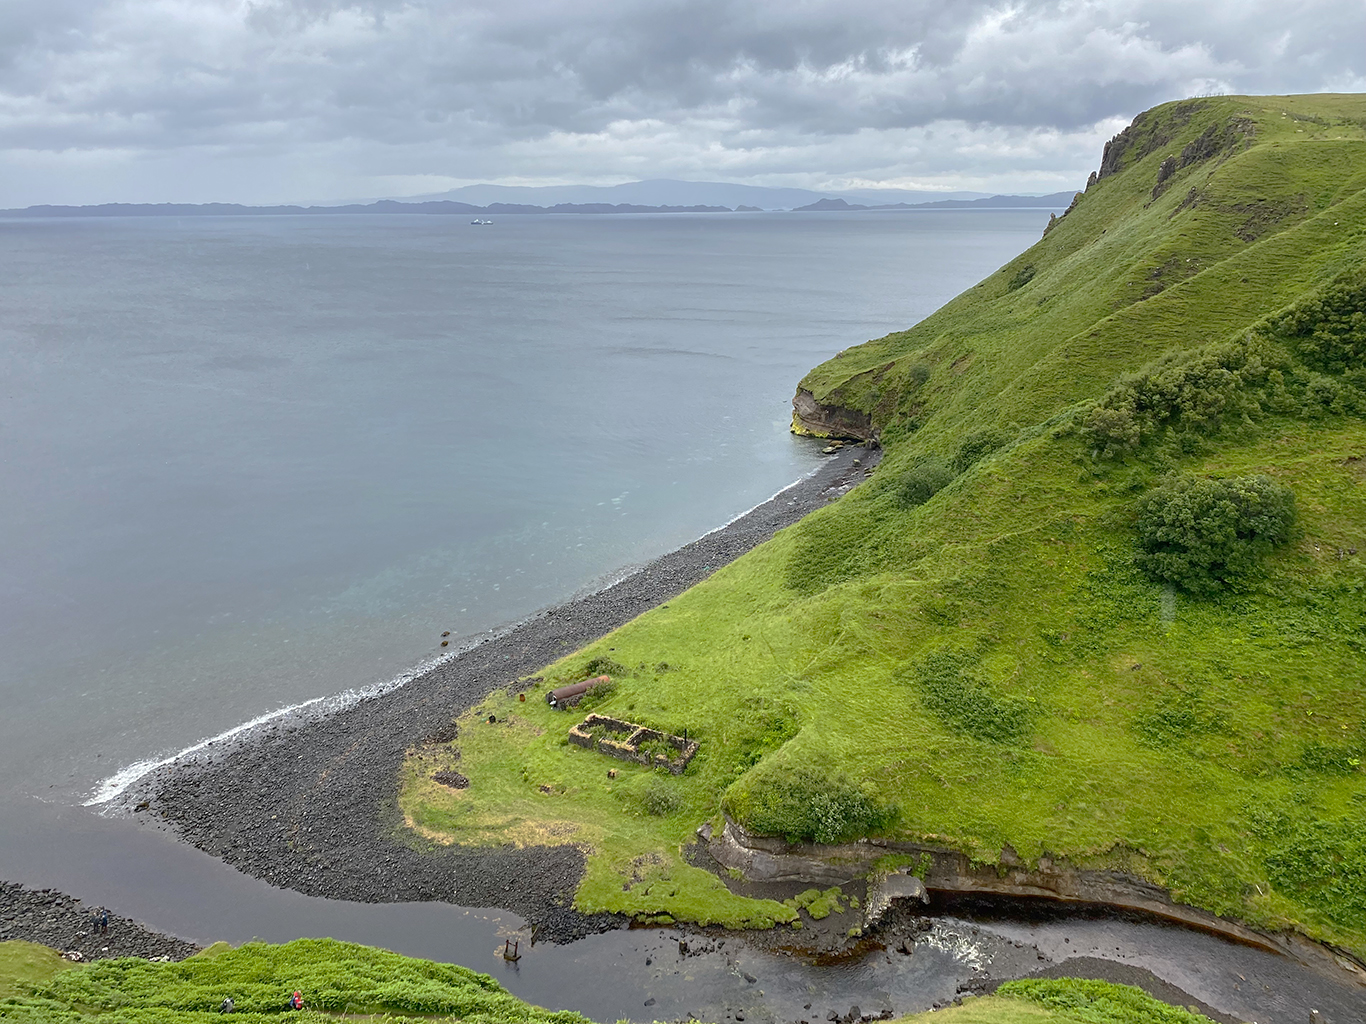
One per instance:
(643, 974)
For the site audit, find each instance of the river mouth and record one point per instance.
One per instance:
(958, 946)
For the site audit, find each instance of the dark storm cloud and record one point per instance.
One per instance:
(630, 80)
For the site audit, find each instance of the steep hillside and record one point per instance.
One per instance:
(1103, 602)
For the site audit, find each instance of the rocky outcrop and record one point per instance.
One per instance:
(810, 418)
(770, 859)
(948, 872)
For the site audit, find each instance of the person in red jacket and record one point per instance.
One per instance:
(296, 1001)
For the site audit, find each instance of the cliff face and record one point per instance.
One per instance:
(811, 418)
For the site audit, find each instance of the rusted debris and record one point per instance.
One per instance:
(510, 949)
(568, 696)
(600, 733)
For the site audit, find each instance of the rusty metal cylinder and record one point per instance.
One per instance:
(568, 696)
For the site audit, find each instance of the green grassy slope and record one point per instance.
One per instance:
(335, 978)
(991, 667)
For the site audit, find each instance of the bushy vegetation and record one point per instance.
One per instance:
(806, 802)
(1187, 394)
(335, 977)
(1207, 535)
(923, 481)
(1329, 330)
(1100, 641)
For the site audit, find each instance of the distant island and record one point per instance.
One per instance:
(1055, 201)
(1058, 200)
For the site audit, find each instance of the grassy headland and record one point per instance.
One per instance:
(1103, 600)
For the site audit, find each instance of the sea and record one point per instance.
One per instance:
(252, 463)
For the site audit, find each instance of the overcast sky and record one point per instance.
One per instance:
(287, 100)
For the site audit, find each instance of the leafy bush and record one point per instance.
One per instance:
(660, 799)
(1329, 331)
(597, 694)
(1022, 277)
(804, 803)
(1203, 535)
(819, 905)
(1175, 716)
(1192, 391)
(954, 692)
(976, 446)
(603, 666)
(755, 727)
(922, 482)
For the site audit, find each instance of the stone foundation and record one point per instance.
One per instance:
(628, 747)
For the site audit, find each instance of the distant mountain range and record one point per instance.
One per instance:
(668, 192)
(1055, 201)
(1058, 200)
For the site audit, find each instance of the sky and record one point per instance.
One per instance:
(312, 100)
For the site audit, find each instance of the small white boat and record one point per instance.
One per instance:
(478, 221)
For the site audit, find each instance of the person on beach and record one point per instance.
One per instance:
(296, 1001)
(104, 921)
(94, 920)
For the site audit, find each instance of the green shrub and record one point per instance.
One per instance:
(803, 803)
(1329, 331)
(819, 905)
(922, 482)
(1204, 535)
(598, 694)
(604, 666)
(757, 726)
(1022, 277)
(953, 690)
(660, 799)
(976, 446)
(1195, 391)
(1174, 717)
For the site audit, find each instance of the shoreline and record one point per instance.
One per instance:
(51, 918)
(305, 797)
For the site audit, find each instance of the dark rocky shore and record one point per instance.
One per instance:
(54, 919)
(313, 807)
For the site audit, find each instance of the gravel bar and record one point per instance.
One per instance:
(63, 922)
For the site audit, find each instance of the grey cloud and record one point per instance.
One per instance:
(744, 80)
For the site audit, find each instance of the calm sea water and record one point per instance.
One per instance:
(249, 462)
